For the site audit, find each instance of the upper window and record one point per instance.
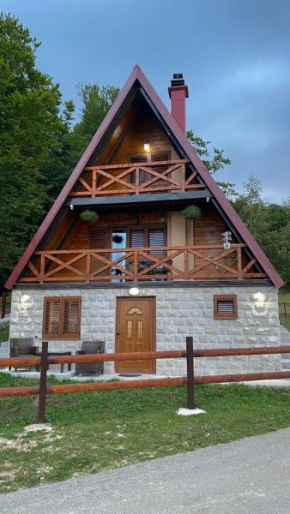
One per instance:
(225, 306)
(61, 317)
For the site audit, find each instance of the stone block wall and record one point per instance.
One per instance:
(180, 312)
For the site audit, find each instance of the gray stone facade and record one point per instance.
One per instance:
(180, 312)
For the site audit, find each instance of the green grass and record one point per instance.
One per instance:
(284, 297)
(4, 334)
(93, 431)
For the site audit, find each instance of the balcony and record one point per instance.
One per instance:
(207, 262)
(136, 179)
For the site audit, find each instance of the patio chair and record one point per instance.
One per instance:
(91, 368)
(22, 347)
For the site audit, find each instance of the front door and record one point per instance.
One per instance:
(135, 332)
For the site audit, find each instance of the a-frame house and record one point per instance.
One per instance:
(122, 258)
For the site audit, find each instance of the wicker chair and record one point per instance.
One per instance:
(22, 347)
(91, 368)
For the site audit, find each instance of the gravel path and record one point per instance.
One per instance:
(247, 476)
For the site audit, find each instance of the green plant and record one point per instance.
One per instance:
(90, 216)
(192, 212)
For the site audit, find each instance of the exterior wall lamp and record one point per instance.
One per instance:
(134, 291)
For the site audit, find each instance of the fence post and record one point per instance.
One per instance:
(3, 307)
(190, 373)
(42, 385)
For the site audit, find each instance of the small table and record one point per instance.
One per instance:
(56, 354)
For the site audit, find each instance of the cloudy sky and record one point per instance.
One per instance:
(234, 56)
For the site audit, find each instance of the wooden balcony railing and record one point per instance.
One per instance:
(207, 262)
(136, 179)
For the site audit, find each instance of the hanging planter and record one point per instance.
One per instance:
(90, 216)
(117, 239)
(192, 212)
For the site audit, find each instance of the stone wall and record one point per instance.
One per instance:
(180, 312)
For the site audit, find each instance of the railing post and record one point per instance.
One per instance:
(42, 385)
(190, 373)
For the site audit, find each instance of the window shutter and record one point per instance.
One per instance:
(143, 175)
(71, 311)
(61, 318)
(52, 315)
(156, 239)
(98, 241)
(137, 239)
(225, 307)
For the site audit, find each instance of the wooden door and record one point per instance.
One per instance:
(135, 332)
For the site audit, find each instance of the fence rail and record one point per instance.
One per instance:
(190, 380)
(136, 179)
(202, 262)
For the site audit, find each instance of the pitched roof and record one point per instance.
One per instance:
(137, 76)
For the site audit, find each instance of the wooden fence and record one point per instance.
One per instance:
(284, 310)
(190, 380)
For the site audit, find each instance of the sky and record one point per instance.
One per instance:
(234, 55)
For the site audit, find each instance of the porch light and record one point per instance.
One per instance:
(259, 297)
(147, 147)
(24, 298)
(134, 291)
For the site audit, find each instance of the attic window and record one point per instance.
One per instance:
(225, 306)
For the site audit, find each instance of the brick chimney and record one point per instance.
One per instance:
(178, 92)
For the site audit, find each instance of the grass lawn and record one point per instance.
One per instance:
(101, 430)
(285, 321)
(4, 334)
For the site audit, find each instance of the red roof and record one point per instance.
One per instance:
(138, 75)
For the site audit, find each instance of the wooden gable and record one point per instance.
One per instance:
(119, 124)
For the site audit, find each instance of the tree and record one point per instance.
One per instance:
(96, 103)
(269, 224)
(30, 128)
(218, 161)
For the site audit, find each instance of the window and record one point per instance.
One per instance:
(148, 237)
(61, 317)
(154, 157)
(225, 306)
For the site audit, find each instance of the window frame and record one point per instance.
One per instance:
(61, 334)
(225, 315)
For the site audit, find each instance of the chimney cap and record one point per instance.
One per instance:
(177, 80)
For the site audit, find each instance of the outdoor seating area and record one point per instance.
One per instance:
(25, 347)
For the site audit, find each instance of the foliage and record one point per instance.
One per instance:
(191, 212)
(90, 216)
(30, 128)
(269, 224)
(96, 103)
(214, 164)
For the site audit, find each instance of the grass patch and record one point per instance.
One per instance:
(4, 334)
(101, 430)
(284, 297)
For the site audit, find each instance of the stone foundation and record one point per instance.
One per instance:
(180, 312)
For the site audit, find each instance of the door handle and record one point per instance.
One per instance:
(118, 334)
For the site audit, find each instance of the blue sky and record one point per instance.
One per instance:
(234, 56)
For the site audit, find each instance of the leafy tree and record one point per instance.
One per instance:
(96, 103)
(214, 164)
(30, 127)
(269, 224)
